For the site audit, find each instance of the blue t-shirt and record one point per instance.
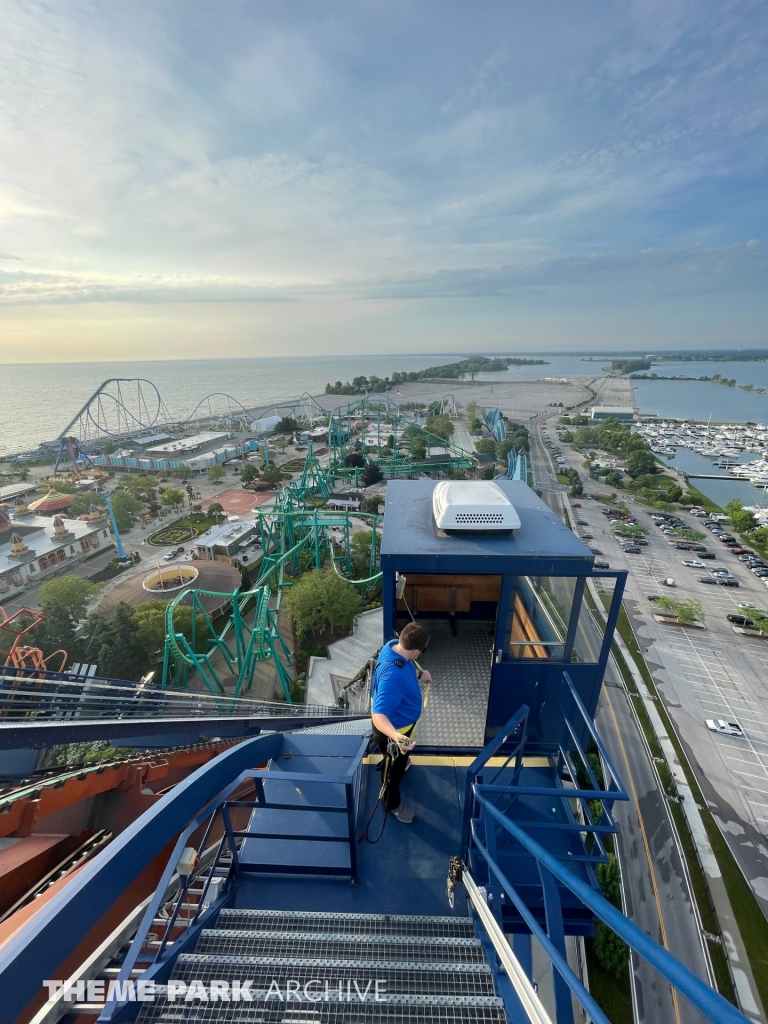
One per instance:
(396, 691)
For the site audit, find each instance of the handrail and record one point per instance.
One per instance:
(705, 999)
(517, 976)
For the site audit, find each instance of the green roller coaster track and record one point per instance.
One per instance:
(294, 537)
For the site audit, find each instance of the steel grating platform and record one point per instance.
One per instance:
(402, 978)
(393, 1010)
(366, 924)
(330, 945)
(461, 670)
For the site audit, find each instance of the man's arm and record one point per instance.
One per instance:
(384, 726)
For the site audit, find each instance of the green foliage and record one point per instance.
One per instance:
(486, 446)
(248, 473)
(576, 490)
(640, 462)
(371, 475)
(322, 598)
(114, 645)
(149, 620)
(743, 521)
(470, 410)
(566, 437)
(631, 529)
(361, 384)
(611, 951)
(57, 633)
(68, 593)
(287, 425)
(476, 426)
(609, 877)
(371, 504)
(614, 478)
(138, 485)
(439, 425)
(355, 459)
(172, 496)
(180, 473)
(216, 473)
(681, 534)
(360, 547)
(419, 447)
(272, 474)
(215, 509)
(125, 506)
(83, 501)
(688, 610)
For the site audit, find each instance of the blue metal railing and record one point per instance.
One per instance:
(489, 816)
(493, 419)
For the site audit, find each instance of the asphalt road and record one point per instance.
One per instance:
(705, 674)
(657, 895)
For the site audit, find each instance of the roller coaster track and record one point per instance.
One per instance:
(293, 540)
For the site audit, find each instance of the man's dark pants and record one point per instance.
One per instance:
(392, 770)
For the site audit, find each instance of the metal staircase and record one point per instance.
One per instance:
(332, 967)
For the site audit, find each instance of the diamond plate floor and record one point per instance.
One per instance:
(461, 670)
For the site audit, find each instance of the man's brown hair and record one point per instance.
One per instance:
(414, 637)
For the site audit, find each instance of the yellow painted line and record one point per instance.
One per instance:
(646, 844)
(462, 761)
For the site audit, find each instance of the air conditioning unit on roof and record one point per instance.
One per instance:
(473, 505)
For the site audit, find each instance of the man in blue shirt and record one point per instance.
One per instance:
(396, 708)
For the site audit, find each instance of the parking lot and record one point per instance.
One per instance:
(703, 674)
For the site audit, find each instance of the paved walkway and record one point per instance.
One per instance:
(346, 658)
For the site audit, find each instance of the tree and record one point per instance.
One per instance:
(503, 448)
(360, 546)
(371, 474)
(287, 425)
(576, 490)
(121, 655)
(681, 534)
(272, 474)
(57, 633)
(609, 877)
(611, 951)
(248, 474)
(172, 496)
(742, 519)
(613, 478)
(470, 410)
(68, 593)
(419, 448)
(321, 598)
(125, 506)
(215, 509)
(180, 473)
(686, 611)
(82, 502)
(371, 504)
(486, 446)
(149, 620)
(355, 459)
(439, 425)
(639, 462)
(215, 473)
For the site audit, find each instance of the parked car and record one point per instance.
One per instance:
(632, 549)
(726, 728)
(707, 554)
(698, 547)
(600, 564)
(643, 543)
(582, 522)
(587, 536)
(727, 581)
(708, 579)
(740, 620)
(575, 504)
(655, 597)
(596, 551)
(693, 563)
(682, 546)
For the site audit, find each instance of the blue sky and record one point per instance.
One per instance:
(246, 178)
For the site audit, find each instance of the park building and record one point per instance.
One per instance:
(33, 547)
(613, 412)
(230, 542)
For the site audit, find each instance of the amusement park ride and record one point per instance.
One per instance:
(20, 655)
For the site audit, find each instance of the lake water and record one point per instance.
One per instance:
(719, 491)
(702, 400)
(37, 401)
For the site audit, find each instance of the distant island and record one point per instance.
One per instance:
(628, 365)
(452, 371)
(716, 378)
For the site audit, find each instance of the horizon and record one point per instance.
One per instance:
(188, 180)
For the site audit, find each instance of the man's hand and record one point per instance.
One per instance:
(425, 677)
(405, 743)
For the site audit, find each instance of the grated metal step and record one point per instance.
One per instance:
(368, 924)
(402, 978)
(340, 946)
(394, 1010)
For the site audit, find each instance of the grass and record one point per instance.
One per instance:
(182, 530)
(749, 916)
(701, 499)
(612, 995)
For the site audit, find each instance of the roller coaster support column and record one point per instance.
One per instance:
(118, 539)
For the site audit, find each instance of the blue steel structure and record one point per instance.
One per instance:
(256, 867)
(493, 419)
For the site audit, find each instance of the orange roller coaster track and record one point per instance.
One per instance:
(20, 655)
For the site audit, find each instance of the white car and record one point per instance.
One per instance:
(693, 563)
(169, 556)
(726, 728)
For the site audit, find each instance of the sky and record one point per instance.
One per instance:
(185, 179)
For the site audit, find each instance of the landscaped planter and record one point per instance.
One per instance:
(670, 620)
(747, 631)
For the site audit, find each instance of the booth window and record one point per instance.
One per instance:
(547, 619)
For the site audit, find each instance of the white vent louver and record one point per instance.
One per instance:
(473, 505)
